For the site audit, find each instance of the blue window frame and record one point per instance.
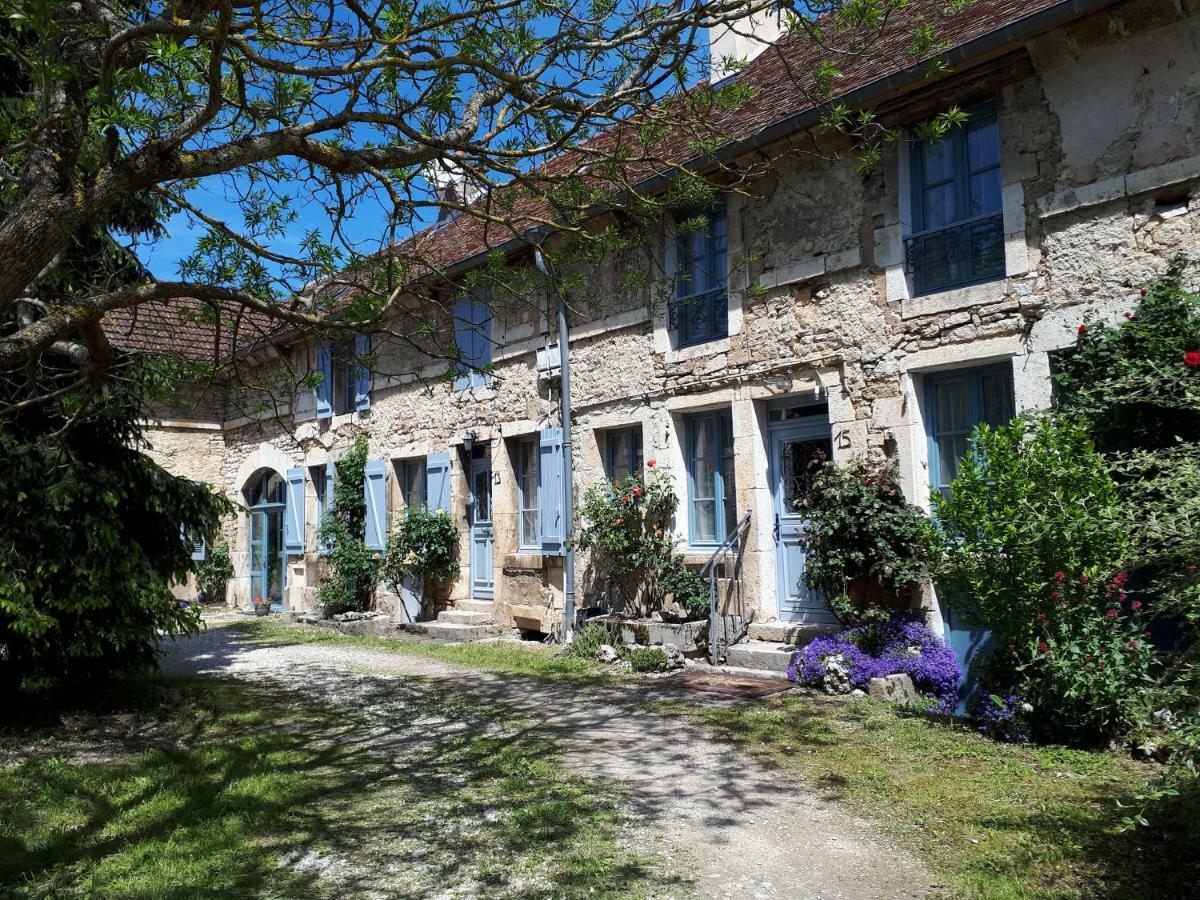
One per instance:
(528, 498)
(699, 311)
(711, 504)
(623, 452)
(473, 338)
(958, 223)
(955, 403)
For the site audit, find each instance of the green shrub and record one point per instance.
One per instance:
(627, 531)
(645, 659)
(423, 545)
(588, 640)
(1035, 539)
(863, 530)
(214, 571)
(349, 571)
(91, 539)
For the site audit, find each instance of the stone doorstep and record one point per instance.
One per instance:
(465, 617)
(450, 631)
(761, 655)
(482, 606)
(791, 633)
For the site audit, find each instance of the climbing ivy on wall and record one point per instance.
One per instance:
(349, 570)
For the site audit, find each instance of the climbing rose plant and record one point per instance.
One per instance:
(627, 531)
(423, 545)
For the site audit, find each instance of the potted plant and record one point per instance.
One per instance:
(262, 605)
(423, 547)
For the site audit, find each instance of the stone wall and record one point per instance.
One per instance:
(1099, 167)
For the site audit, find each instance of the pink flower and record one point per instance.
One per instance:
(1112, 613)
(1137, 604)
(1043, 648)
(1060, 575)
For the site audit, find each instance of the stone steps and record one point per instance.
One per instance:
(465, 617)
(481, 606)
(761, 655)
(790, 633)
(453, 631)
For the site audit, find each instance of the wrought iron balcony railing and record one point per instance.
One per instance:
(701, 317)
(964, 253)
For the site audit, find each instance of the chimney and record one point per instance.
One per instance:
(452, 184)
(742, 41)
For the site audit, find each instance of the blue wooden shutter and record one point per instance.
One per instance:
(375, 491)
(550, 491)
(437, 481)
(325, 388)
(362, 374)
(293, 514)
(198, 546)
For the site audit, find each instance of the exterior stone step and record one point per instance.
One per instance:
(465, 617)
(452, 631)
(483, 606)
(790, 633)
(761, 655)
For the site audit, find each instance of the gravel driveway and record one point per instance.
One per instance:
(728, 824)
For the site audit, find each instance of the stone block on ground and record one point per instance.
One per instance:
(894, 689)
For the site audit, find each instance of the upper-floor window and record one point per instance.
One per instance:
(345, 384)
(473, 338)
(709, 453)
(956, 402)
(957, 222)
(623, 453)
(413, 479)
(528, 486)
(699, 310)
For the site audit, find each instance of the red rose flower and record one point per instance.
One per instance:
(649, 464)
(1060, 575)
(1041, 617)
(1191, 569)
(637, 491)
(1137, 604)
(1128, 314)
(1043, 647)
(1133, 644)
(1143, 292)
(1112, 613)
(1083, 329)
(1192, 358)
(1146, 635)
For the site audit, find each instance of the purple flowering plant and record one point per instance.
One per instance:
(877, 649)
(1003, 718)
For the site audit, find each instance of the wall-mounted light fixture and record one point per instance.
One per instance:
(468, 440)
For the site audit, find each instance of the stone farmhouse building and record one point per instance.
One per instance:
(826, 310)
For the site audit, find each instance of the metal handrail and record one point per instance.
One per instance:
(733, 546)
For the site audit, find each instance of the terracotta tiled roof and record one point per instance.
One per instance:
(774, 101)
(185, 327)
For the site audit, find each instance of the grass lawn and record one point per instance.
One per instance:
(991, 820)
(207, 788)
(505, 657)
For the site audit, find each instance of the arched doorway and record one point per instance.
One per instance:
(266, 497)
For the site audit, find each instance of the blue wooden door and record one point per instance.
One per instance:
(259, 581)
(482, 587)
(796, 452)
(268, 561)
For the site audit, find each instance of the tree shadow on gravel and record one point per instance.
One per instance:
(355, 787)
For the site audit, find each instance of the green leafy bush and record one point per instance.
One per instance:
(863, 533)
(627, 532)
(645, 659)
(423, 545)
(214, 571)
(588, 639)
(1137, 384)
(349, 571)
(1035, 540)
(90, 539)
